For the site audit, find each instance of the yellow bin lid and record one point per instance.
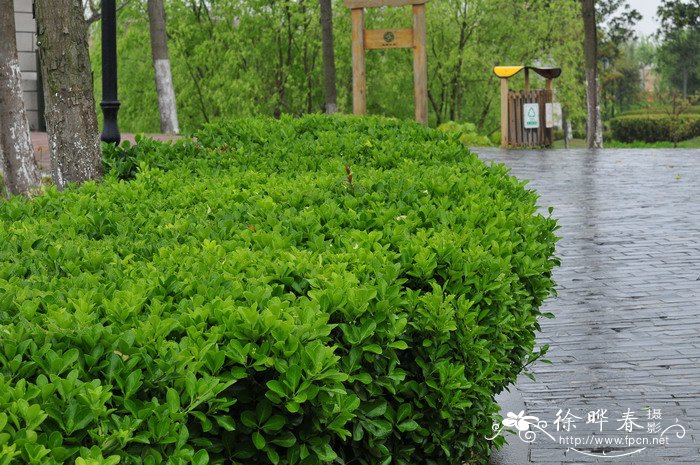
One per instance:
(505, 72)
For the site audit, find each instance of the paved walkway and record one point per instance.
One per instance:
(627, 331)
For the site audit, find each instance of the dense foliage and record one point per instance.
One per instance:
(619, 73)
(234, 58)
(296, 292)
(680, 47)
(655, 127)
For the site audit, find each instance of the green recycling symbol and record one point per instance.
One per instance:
(389, 37)
(531, 113)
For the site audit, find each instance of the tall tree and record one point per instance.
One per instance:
(594, 134)
(21, 174)
(680, 49)
(619, 75)
(161, 64)
(617, 19)
(328, 56)
(71, 120)
(675, 14)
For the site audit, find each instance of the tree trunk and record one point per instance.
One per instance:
(71, 120)
(161, 64)
(328, 56)
(594, 132)
(18, 165)
(566, 127)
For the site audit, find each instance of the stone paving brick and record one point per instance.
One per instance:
(627, 326)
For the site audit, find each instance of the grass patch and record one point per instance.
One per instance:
(693, 143)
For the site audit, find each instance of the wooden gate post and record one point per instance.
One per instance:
(526, 83)
(414, 38)
(420, 64)
(359, 74)
(504, 113)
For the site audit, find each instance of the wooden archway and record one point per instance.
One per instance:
(414, 38)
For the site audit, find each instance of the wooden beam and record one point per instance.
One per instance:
(504, 113)
(380, 3)
(512, 112)
(359, 76)
(420, 63)
(527, 80)
(388, 38)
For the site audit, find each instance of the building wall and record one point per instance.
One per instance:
(27, 51)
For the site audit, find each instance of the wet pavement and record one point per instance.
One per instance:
(626, 337)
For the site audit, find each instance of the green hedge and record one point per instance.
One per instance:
(666, 110)
(655, 128)
(247, 299)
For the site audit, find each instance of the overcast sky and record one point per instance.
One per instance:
(648, 25)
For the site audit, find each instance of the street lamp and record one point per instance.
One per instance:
(110, 103)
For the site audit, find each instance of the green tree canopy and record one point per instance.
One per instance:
(235, 58)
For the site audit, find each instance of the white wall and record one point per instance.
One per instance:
(26, 48)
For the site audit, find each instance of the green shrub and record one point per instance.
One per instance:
(467, 134)
(655, 128)
(659, 110)
(301, 291)
(123, 162)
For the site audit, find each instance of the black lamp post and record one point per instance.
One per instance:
(110, 102)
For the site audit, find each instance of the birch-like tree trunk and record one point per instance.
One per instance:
(21, 174)
(161, 64)
(594, 133)
(328, 56)
(71, 120)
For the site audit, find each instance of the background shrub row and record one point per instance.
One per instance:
(242, 299)
(660, 110)
(655, 127)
